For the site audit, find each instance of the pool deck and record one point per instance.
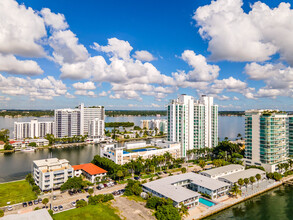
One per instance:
(225, 202)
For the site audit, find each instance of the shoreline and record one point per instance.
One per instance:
(240, 200)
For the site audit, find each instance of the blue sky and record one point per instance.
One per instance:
(141, 54)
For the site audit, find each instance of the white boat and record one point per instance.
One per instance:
(28, 149)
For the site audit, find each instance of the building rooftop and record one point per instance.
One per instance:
(166, 187)
(2, 142)
(90, 168)
(223, 169)
(50, 162)
(234, 177)
(33, 215)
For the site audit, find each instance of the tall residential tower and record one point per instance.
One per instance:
(193, 123)
(266, 138)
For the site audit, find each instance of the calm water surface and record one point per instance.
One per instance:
(276, 204)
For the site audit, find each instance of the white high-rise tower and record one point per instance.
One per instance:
(193, 123)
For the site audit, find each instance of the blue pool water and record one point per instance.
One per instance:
(206, 202)
(144, 149)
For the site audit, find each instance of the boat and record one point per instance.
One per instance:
(28, 149)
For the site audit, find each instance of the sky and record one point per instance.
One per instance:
(141, 54)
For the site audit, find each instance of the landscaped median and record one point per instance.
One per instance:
(90, 212)
(16, 192)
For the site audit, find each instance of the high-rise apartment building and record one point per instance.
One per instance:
(290, 129)
(88, 114)
(96, 128)
(266, 138)
(193, 123)
(32, 129)
(67, 122)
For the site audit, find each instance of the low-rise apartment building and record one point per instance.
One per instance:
(51, 173)
(89, 171)
(186, 188)
(215, 173)
(121, 156)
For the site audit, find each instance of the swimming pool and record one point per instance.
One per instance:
(144, 149)
(206, 202)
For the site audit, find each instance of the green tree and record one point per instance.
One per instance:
(133, 188)
(183, 210)
(240, 182)
(91, 191)
(235, 190)
(246, 181)
(1, 213)
(252, 180)
(8, 147)
(183, 169)
(72, 183)
(258, 177)
(119, 174)
(51, 212)
(45, 201)
(202, 163)
(32, 144)
(81, 203)
(167, 212)
(4, 135)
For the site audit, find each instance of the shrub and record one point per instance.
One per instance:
(81, 204)
(133, 188)
(167, 212)
(50, 212)
(37, 208)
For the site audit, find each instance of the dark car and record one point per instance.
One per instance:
(76, 200)
(30, 203)
(115, 183)
(79, 191)
(70, 193)
(82, 199)
(87, 196)
(45, 207)
(165, 172)
(24, 204)
(60, 207)
(105, 185)
(136, 177)
(40, 200)
(86, 189)
(99, 188)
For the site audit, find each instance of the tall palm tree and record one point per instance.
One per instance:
(240, 182)
(258, 177)
(252, 180)
(235, 190)
(246, 181)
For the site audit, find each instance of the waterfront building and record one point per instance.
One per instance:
(185, 188)
(88, 114)
(51, 173)
(33, 129)
(217, 172)
(266, 138)
(290, 130)
(155, 124)
(144, 124)
(120, 155)
(234, 177)
(193, 123)
(133, 145)
(89, 171)
(67, 122)
(2, 144)
(96, 128)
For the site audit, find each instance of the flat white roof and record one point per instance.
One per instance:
(166, 187)
(223, 169)
(234, 177)
(50, 162)
(33, 215)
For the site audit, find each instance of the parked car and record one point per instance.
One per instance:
(45, 207)
(77, 200)
(54, 197)
(24, 204)
(105, 185)
(87, 196)
(165, 172)
(60, 207)
(55, 208)
(70, 193)
(79, 191)
(115, 183)
(82, 199)
(99, 188)
(73, 204)
(30, 203)
(36, 202)
(40, 200)
(9, 208)
(136, 177)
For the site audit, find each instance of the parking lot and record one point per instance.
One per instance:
(63, 199)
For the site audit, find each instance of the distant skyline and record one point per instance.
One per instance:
(136, 55)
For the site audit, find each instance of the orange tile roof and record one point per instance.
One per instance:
(90, 168)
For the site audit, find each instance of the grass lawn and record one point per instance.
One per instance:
(90, 212)
(136, 198)
(16, 192)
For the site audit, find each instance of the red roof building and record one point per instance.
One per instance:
(90, 171)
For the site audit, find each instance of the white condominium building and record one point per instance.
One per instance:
(266, 138)
(88, 114)
(96, 128)
(193, 123)
(51, 173)
(32, 129)
(67, 122)
(159, 124)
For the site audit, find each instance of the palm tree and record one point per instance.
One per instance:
(240, 182)
(252, 180)
(119, 174)
(290, 162)
(258, 177)
(183, 210)
(202, 163)
(235, 190)
(246, 181)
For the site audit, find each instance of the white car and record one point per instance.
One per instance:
(55, 208)
(73, 204)
(9, 208)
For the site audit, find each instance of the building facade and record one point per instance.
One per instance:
(90, 171)
(266, 138)
(96, 128)
(290, 131)
(51, 173)
(33, 129)
(193, 123)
